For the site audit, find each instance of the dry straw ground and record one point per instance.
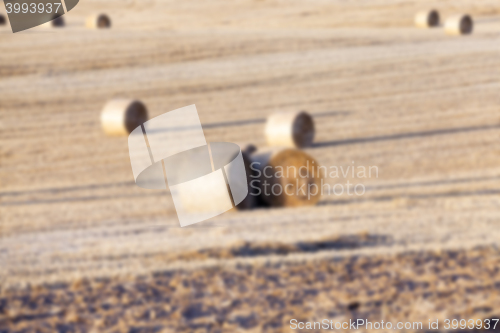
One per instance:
(81, 245)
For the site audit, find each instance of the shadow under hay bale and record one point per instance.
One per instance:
(251, 200)
(255, 249)
(248, 249)
(100, 21)
(3, 20)
(122, 116)
(290, 129)
(459, 25)
(427, 19)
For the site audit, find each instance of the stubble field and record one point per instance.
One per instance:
(82, 247)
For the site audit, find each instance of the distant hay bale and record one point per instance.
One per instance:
(459, 25)
(427, 19)
(56, 22)
(290, 129)
(100, 21)
(3, 21)
(286, 177)
(122, 116)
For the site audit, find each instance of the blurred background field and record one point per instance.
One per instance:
(82, 247)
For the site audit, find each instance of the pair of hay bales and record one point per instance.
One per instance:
(100, 21)
(285, 133)
(286, 176)
(454, 25)
(285, 129)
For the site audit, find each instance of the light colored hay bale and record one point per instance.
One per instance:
(206, 181)
(427, 19)
(100, 21)
(290, 129)
(459, 25)
(286, 177)
(122, 116)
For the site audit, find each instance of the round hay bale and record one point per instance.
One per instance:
(207, 181)
(290, 129)
(459, 25)
(286, 177)
(100, 21)
(427, 19)
(3, 21)
(56, 22)
(122, 116)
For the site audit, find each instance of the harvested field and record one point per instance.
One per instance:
(264, 297)
(420, 106)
